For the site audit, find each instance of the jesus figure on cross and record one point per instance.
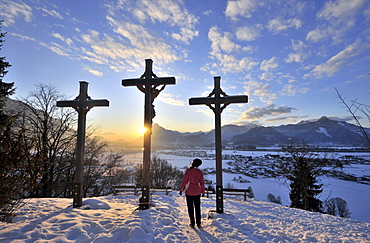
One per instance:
(155, 93)
(151, 86)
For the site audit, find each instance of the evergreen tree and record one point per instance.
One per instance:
(17, 166)
(304, 187)
(302, 170)
(6, 89)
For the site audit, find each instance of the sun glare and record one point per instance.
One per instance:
(143, 130)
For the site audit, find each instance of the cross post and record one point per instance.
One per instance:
(217, 98)
(82, 104)
(148, 84)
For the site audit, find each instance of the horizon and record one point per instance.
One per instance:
(288, 58)
(108, 136)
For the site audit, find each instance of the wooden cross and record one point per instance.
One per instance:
(82, 104)
(149, 84)
(214, 101)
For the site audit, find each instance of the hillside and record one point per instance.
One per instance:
(114, 219)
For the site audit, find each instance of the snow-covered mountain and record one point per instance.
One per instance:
(323, 132)
(260, 136)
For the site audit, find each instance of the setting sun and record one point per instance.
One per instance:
(143, 130)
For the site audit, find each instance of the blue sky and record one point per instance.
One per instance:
(287, 56)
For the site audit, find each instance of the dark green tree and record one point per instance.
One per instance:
(6, 89)
(303, 169)
(18, 166)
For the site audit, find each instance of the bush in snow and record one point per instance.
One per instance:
(337, 207)
(272, 198)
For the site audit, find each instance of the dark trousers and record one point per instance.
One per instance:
(193, 202)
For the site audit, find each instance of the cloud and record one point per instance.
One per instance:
(256, 113)
(185, 35)
(23, 37)
(125, 50)
(247, 33)
(208, 12)
(335, 63)
(94, 72)
(225, 52)
(141, 43)
(340, 9)
(124, 44)
(13, 9)
(286, 119)
(52, 13)
(221, 42)
(266, 65)
(278, 25)
(56, 48)
(339, 16)
(170, 12)
(170, 99)
(68, 41)
(319, 33)
(298, 55)
(291, 90)
(260, 90)
(244, 8)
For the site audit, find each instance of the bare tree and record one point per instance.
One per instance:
(161, 172)
(230, 185)
(53, 129)
(101, 168)
(354, 108)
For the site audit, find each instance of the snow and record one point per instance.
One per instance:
(355, 194)
(323, 131)
(115, 219)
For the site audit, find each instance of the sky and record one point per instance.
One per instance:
(288, 56)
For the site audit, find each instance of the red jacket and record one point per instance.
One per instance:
(193, 182)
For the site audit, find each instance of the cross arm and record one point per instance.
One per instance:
(153, 81)
(221, 100)
(80, 103)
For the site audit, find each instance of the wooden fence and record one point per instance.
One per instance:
(136, 190)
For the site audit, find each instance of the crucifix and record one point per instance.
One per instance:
(149, 84)
(82, 104)
(214, 101)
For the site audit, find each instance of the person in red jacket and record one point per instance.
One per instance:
(193, 185)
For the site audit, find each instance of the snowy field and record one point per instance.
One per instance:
(357, 195)
(114, 219)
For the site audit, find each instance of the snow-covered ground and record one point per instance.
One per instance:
(355, 194)
(114, 219)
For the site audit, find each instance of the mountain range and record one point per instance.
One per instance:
(322, 132)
